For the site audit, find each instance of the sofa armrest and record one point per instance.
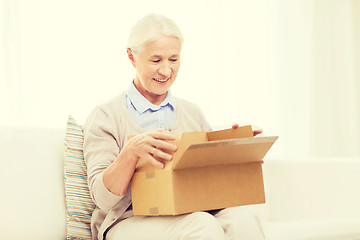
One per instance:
(300, 189)
(32, 186)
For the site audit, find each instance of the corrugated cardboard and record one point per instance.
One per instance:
(210, 170)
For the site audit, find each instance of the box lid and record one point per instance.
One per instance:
(233, 151)
(199, 149)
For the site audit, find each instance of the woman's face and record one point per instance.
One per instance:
(157, 67)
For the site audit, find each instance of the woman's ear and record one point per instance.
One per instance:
(131, 56)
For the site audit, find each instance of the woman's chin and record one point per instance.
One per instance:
(160, 93)
(161, 88)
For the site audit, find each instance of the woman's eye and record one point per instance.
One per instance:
(155, 61)
(173, 60)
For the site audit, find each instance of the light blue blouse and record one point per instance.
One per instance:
(148, 115)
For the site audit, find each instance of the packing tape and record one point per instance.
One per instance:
(150, 174)
(154, 211)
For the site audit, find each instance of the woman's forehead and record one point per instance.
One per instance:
(164, 45)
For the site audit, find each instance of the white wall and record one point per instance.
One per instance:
(275, 64)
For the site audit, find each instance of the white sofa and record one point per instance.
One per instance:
(306, 198)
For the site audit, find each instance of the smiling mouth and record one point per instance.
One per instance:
(161, 80)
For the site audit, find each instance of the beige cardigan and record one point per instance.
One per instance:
(106, 132)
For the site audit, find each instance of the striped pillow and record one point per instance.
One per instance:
(79, 204)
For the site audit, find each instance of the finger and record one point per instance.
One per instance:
(165, 152)
(257, 132)
(143, 145)
(163, 145)
(162, 134)
(158, 153)
(154, 162)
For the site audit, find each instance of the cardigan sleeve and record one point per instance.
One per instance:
(100, 150)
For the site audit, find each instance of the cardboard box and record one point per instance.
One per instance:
(210, 170)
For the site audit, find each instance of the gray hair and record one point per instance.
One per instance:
(149, 28)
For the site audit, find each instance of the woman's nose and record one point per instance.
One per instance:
(165, 70)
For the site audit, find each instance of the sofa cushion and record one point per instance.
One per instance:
(313, 229)
(79, 204)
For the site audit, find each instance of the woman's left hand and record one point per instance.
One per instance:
(255, 132)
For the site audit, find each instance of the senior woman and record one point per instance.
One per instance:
(145, 110)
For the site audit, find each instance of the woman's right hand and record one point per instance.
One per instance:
(152, 146)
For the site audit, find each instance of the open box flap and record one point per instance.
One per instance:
(243, 150)
(240, 132)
